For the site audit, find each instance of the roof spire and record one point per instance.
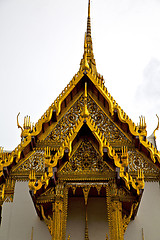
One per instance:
(89, 20)
(89, 7)
(88, 60)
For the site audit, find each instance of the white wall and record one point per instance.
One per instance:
(148, 216)
(19, 217)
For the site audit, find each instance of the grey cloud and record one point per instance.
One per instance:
(149, 90)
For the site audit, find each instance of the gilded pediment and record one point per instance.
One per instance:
(86, 159)
(78, 161)
(103, 121)
(66, 123)
(35, 162)
(138, 161)
(111, 132)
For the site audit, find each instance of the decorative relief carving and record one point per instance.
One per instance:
(137, 161)
(48, 221)
(107, 127)
(62, 129)
(86, 158)
(118, 222)
(49, 192)
(116, 192)
(35, 162)
(65, 211)
(126, 219)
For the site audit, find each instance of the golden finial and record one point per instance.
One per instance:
(86, 65)
(5, 157)
(27, 123)
(156, 127)
(85, 90)
(142, 126)
(142, 123)
(27, 128)
(124, 156)
(1, 152)
(85, 110)
(32, 179)
(140, 179)
(47, 153)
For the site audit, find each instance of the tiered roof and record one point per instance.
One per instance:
(86, 82)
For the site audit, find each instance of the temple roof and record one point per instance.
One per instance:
(33, 135)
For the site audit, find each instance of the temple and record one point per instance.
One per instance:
(90, 169)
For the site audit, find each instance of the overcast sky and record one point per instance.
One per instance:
(41, 45)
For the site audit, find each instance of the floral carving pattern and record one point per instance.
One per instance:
(108, 128)
(136, 161)
(35, 162)
(65, 125)
(86, 158)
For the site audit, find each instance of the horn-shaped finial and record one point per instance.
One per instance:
(157, 126)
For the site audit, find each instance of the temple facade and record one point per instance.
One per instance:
(85, 170)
